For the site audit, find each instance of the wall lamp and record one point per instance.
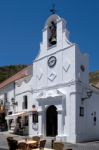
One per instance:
(89, 94)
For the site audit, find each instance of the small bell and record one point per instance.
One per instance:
(53, 41)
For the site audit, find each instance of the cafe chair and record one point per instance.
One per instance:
(33, 146)
(58, 146)
(42, 144)
(36, 138)
(13, 144)
(9, 140)
(22, 146)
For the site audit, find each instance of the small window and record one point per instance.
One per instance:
(25, 102)
(81, 111)
(82, 67)
(5, 96)
(35, 117)
(94, 118)
(10, 112)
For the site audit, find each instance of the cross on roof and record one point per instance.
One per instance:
(53, 10)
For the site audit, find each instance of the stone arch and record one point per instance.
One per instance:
(52, 17)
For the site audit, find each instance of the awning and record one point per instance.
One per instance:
(2, 111)
(15, 115)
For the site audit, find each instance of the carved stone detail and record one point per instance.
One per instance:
(40, 74)
(27, 79)
(18, 83)
(66, 66)
(52, 76)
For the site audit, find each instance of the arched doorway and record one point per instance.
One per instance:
(51, 121)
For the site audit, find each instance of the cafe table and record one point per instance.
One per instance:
(43, 149)
(28, 142)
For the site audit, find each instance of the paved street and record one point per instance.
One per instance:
(79, 146)
(3, 141)
(84, 146)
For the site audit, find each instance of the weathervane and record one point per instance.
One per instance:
(53, 10)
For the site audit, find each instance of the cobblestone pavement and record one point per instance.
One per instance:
(79, 146)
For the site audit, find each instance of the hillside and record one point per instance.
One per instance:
(8, 71)
(94, 77)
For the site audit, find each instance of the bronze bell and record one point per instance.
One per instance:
(53, 41)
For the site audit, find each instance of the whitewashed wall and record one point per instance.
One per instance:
(9, 89)
(85, 128)
(23, 88)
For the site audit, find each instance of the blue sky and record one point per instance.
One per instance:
(22, 21)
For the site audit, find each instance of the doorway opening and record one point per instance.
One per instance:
(51, 121)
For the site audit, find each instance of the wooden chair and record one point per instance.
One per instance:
(13, 144)
(33, 146)
(42, 144)
(36, 138)
(22, 146)
(9, 140)
(58, 146)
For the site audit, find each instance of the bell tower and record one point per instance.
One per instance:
(55, 36)
(60, 73)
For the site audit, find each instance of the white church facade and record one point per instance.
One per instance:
(59, 100)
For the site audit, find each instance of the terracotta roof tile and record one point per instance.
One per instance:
(20, 74)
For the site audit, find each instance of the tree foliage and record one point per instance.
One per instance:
(94, 77)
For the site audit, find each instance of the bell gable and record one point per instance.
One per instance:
(55, 36)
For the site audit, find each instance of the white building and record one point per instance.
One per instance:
(16, 93)
(61, 102)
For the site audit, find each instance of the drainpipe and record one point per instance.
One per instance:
(14, 106)
(14, 89)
